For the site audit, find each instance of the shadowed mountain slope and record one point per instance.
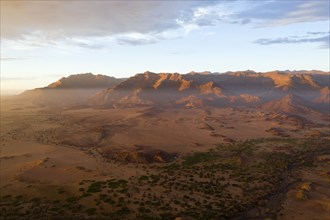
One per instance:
(70, 90)
(278, 90)
(288, 104)
(85, 80)
(283, 91)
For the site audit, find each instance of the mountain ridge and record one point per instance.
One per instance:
(275, 90)
(85, 80)
(244, 88)
(69, 90)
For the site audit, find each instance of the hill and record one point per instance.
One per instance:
(69, 90)
(85, 80)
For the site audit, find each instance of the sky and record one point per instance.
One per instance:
(42, 41)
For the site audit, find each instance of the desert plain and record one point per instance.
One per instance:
(143, 161)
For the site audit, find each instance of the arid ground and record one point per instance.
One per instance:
(158, 163)
(165, 110)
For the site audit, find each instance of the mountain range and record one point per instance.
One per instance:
(279, 91)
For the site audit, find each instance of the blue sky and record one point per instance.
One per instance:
(42, 41)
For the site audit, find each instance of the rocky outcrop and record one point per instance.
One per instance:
(144, 157)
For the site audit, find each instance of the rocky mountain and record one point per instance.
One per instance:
(324, 96)
(162, 89)
(85, 80)
(288, 104)
(70, 90)
(278, 91)
(284, 91)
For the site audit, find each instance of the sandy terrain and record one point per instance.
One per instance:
(48, 153)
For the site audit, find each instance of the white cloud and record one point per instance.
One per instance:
(41, 23)
(324, 40)
(100, 24)
(279, 12)
(57, 19)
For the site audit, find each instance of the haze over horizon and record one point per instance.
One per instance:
(44, 41)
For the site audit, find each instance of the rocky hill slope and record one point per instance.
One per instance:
(274, 91)
(70, 90)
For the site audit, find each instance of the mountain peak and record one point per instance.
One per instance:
(200, 73)
(275, 91)
(325, 90)
(71, 89)
(289, 104)
(291, 98)
(84, 80)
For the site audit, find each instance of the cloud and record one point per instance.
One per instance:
(54, 20)
(99, 24)
(278, 12)
(137, 39)
(87, 42)
(318, 33)
(323, 40)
